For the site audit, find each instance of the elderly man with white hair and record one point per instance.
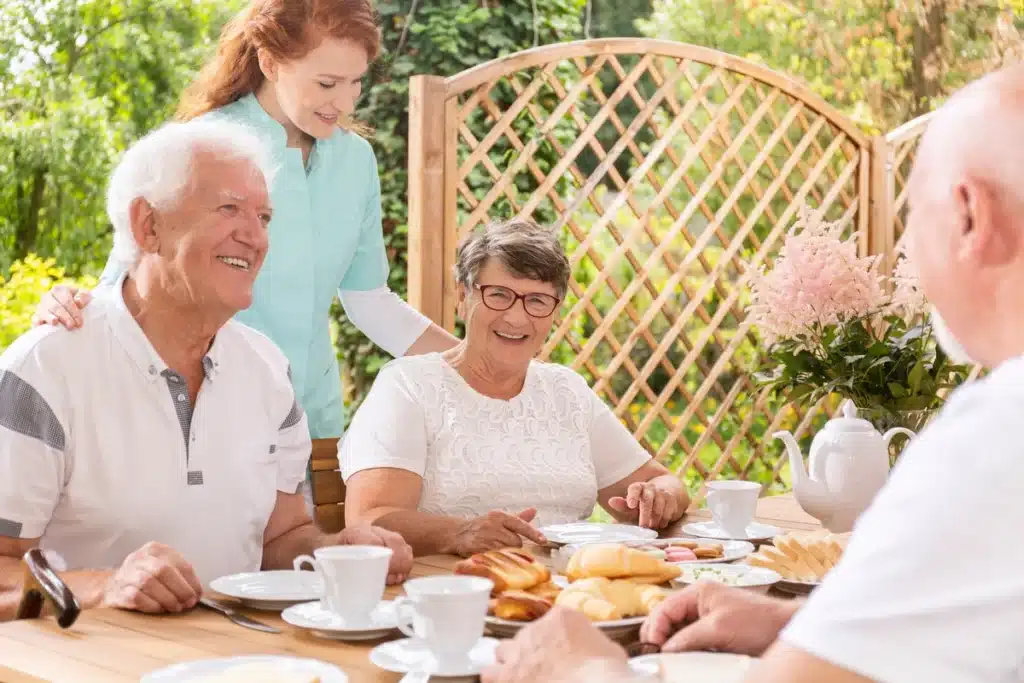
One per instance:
(931, 587)
(161, 445)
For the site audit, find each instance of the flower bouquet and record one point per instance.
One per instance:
(834, 326)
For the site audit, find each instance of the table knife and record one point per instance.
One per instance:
(234, 616)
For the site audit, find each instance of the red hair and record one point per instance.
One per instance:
(287, 30)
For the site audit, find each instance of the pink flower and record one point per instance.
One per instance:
(818, 280)
(907, 300)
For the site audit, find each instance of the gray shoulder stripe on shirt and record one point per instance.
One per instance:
(293, 416)
(24, 410)
(8, 527)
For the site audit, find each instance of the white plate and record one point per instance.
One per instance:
(731, 550)
(796, 587)
(411, 654)
(203, 669)
(272, 590)
(593, 532)
(312, 616)
(701, 667)
(745, 576)
(756, 532)
(621, 630)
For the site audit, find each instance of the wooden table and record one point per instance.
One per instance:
(112, 646)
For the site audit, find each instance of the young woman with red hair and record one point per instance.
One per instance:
(292, 70)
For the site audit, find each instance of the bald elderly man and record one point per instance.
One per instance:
(161, 446)
(931, 588)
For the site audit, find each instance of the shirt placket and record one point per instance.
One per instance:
(185, 412)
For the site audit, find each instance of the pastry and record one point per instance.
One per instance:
(594, 606)
(547, 590)
(520, 606)
(616, 561)
(806, 557)
(626, 598)
(509, 569)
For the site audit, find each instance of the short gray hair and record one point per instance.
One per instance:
(524, 248)
(158, 168)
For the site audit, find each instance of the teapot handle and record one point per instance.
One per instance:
(887, 437)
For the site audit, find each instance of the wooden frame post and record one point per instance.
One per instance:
(427, 220)
(880, 227)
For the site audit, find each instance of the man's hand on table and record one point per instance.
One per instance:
(553, 649)
(712, 616)
(153, 579)
(401, 559)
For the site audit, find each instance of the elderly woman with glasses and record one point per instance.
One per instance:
(476, 448)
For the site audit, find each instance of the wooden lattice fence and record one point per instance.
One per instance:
(673, 172)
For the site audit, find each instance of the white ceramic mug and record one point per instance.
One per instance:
(733, 504)
(446, 612)
(353, 576)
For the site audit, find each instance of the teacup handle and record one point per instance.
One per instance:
(402, 606)
(302, 560)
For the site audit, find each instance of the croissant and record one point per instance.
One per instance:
(520, 606)
(509, 569)
(616, 561)
(595, 607)
(548, 591)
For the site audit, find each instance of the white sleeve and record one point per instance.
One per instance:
(293, 448)
(380, 314)
(388, 430)
(931, 587)
(34, 441)
(614, 451)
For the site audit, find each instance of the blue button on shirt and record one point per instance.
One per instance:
(325, 235)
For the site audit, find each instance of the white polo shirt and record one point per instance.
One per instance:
(931, 587)
(102, 451)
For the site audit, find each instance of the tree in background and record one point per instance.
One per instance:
(79, 82)
(882, 62)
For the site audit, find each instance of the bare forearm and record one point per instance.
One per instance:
(433, 340)
(302, 540)
(427, 534)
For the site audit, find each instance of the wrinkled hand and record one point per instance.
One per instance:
(713, 616)
(401, 558)
(647, 505)
(554, 649)
(62, 305)
(153, 579)
(496, 530)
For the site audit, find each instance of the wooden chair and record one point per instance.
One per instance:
(327, 486)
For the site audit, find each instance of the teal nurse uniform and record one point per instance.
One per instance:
(325, 235)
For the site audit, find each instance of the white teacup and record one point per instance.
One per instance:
(353, 576)
(733, 504)
(447, 614)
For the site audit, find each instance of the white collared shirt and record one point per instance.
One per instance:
(102, 451)
(931, 587)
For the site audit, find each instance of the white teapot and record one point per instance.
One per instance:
(849, 463)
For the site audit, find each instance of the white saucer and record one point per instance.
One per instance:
(593, 532)
(270, 590)
(411, 654)
(312, 616)
(756, 532)
(206, 668)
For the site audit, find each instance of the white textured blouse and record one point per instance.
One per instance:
(552, 447)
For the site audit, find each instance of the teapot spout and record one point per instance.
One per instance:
(811, 494)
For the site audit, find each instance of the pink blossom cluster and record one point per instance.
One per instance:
(907, 300)
(818, 280)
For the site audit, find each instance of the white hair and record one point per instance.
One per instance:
(158, 168)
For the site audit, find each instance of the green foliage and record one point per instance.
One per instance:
(888, 368)
(79, 81)
(20, 291)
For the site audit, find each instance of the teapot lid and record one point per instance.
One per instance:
(849, 422)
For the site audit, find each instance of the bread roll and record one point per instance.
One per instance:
(595, 607)
(520, 606)
(509, 569)
(616, 561)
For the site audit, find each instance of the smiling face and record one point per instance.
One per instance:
(513, 337)
(320, 89)
(209, 247)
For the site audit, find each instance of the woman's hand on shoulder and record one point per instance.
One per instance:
(62, 305)
(494, 531)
